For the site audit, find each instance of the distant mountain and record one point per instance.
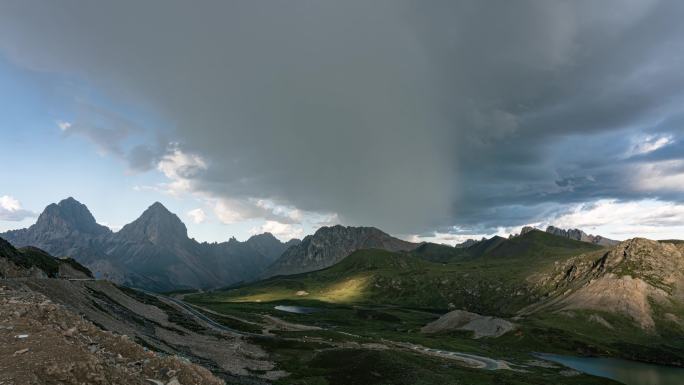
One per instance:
(270, 246)
(329, 245)
(157, 226)
(485, 245)
(530, 245)
(580, 235)
(64, 228)
(435, 252)
(468, 243)
(153, 252)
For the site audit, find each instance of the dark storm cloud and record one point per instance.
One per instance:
(406, 115)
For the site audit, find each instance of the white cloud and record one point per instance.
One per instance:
(180, 168)
(649, 143)
(283, 231)
(63, 126)
(662, 176)
(461, 235)
(445, 238)
(197, 215)
(11, 210)
(648, 218)
(291, 214)
(112, 227)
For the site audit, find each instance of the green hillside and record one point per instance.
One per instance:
(32, 257)
(492, 283)
(485, 246)
(434, 252)
(535, 246)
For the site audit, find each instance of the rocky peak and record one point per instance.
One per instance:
(293, 242)
(330, 244)
(267, 245)
(264, 237)
(156, 225)
(641, 255)
(68, 216)
(580, 235)
(339, 233)
(467, 243)
(528, 229)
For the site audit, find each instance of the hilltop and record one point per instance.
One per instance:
(329, 245)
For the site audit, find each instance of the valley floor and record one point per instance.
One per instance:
(73, 332)
(346, 345)
(152, 339)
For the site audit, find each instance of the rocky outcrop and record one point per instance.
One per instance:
(580, 235)
(628, 280)
(330, 245)
(527, 229)
(58, 346)
(479, 325)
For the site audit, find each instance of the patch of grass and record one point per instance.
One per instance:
(378, 367)
(490, 283)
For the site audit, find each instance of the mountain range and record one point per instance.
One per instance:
(153, 252)
(537, 291)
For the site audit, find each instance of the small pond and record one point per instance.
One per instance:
(627, 372)
(297, 309)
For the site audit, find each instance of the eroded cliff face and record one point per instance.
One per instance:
(639, 278)
(580, 235)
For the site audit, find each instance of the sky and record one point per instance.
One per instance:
(432, 120)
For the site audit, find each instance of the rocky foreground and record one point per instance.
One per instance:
(44, 343)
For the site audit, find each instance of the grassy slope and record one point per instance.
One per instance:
(309, 364)
(28, 257)
(32, 256)
(492, 283)
(434, 252)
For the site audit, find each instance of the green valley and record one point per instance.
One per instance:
(374, 303)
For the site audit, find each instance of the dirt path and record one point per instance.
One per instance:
(470, 360)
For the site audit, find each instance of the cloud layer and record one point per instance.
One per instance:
(11, 210)
(414, 116)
